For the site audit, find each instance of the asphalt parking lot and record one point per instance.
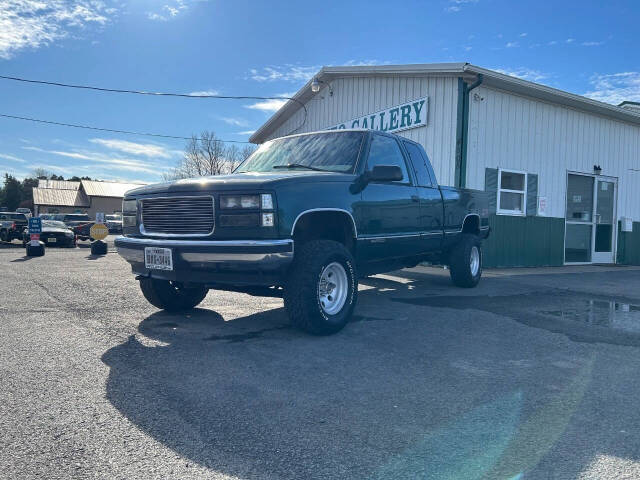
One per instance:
(532, 375)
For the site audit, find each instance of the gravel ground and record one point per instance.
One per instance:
(526, 376)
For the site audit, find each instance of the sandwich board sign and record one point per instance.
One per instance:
(35, 229)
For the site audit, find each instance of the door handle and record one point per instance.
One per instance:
(415, 198)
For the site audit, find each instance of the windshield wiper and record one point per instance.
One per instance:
(299, 165)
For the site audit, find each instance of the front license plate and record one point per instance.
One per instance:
(52, 240)
(158, 258)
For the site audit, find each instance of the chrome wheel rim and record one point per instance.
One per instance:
(474, 262)
(333, 288)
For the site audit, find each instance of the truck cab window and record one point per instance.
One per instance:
(418, 161)
(386, 151)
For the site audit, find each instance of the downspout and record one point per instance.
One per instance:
(462, 129)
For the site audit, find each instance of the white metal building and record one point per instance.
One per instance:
(562, 170)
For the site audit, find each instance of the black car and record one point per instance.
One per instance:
(54, 233)
(11, 225)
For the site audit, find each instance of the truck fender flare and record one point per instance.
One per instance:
(312, 210)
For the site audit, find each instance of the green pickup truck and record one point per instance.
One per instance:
(304, 217)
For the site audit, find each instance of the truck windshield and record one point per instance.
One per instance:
(331, 151)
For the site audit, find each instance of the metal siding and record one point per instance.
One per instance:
(531, 242)
(628, 252)
(511, 131)
(361, 95)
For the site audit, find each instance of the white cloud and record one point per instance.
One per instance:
(238, 122)
(524, 73)
(204, 93)
(288, 73)
(591, 44)
(247, 132)
(512, 45)
(133, 148)
(11, 158)
(37, 23)
(552, 42)
(523, 34)
(615, 88)
(456, 5)
(570, 40)
(272, 105)
(168, 11)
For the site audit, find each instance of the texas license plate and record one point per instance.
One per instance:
(52, 240)
(158, 258)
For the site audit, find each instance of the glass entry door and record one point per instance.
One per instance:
(590, 219)
(604, 221)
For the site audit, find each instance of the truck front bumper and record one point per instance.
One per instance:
(213, 262)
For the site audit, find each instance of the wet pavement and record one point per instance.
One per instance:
(531, 375)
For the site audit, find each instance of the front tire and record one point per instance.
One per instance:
(465, 261)
(322, 287)
(171, 296)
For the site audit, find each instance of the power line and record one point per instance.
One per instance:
(159, 94)
(88, 127)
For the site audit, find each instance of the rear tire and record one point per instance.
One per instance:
(465, 261)
(170, 296)
(322, 287)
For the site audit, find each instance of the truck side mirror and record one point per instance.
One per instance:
(385, 173)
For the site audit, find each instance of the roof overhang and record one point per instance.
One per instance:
(467, 71)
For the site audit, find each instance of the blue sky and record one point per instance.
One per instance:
(265, 48)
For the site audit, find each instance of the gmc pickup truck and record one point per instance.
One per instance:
(304, 216)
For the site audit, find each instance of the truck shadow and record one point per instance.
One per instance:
(437, 396)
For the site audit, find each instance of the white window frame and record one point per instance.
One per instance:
(516, 213)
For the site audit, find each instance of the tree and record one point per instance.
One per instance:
(27, 192)
(11, 192)
(207, 155)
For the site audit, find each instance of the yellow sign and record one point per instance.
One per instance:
(99, 231)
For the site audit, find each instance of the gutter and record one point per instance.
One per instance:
(462, 128)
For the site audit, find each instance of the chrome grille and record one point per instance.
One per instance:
(188, 216)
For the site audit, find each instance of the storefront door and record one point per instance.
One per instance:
(590, 231)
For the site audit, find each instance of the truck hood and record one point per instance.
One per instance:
(241, 181)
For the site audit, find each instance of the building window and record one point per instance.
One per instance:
(512, 192)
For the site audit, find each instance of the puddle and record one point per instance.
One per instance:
(582, 318)
(615, 315)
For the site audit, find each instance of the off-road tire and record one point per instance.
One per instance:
(460, 261)
(301, 299)
(170, 296)
(4, 236)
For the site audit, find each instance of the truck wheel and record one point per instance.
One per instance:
(37, 251)
(171, 296)
(465, 261)
(4, 236)
(322, 287)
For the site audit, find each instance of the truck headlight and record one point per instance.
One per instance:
(129, 206)
(267, 219)
(267, 201)
(239, 201)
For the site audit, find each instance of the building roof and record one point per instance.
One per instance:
(59, 197)
(107, 189)
(465, 70)
(59, 184)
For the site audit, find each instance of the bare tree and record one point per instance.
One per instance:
(207, 155)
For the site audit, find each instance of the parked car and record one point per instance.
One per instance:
(26, 211)
(114, 223)
(47, 216)
(83, 230)
(12, 225)
(54, 233)
(351, 202)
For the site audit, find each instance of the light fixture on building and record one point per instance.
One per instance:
(597, 169)
(315, 86)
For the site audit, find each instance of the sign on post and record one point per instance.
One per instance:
(35, 229)
(100, 217)
(99, 231)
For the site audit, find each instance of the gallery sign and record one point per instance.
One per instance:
(394, 119)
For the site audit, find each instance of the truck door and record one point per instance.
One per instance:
(390, 210)
(431, 210)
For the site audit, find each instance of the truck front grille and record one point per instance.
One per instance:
(178, 215)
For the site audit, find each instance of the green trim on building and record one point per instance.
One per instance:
(629, 245)
(524, 242)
